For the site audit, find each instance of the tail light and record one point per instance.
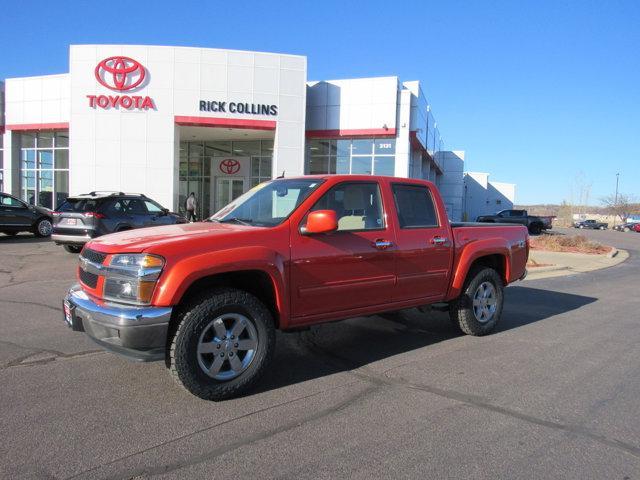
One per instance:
(94, 215)
(55, 214)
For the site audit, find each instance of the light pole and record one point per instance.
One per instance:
(615, 201)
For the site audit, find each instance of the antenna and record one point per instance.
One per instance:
(281, 176)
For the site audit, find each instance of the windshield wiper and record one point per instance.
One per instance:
(242, 221)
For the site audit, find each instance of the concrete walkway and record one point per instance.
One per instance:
(570, 263)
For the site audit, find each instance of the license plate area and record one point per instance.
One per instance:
(70, 318)
(70, 221)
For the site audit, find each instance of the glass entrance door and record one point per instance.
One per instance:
(227, 190)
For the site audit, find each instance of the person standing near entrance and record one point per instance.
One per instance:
(191, 207)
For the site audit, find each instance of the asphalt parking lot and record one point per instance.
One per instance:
(554, 393)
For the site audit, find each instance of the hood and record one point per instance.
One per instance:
(42, 210)
(143, 239)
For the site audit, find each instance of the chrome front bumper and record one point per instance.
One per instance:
(139, 333)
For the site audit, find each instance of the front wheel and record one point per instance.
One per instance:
(44, 227)
(602, 227)
(479, 307)
(223, 344)
(73, 248)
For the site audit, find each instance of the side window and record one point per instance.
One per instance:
(11, 202)
(357, 205)
(114, 208)
(136, 207)
(415, 206)
(153, 207)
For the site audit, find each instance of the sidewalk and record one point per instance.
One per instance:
(561, 263)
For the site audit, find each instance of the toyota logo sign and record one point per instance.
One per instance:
(229, 166)
(120, 73)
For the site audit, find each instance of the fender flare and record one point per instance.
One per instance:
(472, 252)
(185, 272)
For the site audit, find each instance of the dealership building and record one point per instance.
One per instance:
(166, 121)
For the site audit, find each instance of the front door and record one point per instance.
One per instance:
(351, 268)
(227, 190)
(14, 213)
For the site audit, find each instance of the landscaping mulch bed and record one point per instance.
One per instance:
(568, 243)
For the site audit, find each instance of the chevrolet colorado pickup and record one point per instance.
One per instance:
(208, 297)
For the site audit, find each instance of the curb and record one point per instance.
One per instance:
(550, 268)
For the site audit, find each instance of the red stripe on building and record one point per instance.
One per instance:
(38, 126)
(366, 132)
(225, 123)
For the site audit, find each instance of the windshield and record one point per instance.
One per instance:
(267, 204)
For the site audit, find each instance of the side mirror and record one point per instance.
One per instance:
(165, 211)
(321, 221)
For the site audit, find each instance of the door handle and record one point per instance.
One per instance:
(382, 244)
(439, 240)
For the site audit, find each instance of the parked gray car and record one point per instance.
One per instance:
(81, 218)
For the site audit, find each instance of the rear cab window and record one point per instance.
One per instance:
(414, 206)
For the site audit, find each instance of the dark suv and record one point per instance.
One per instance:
(17, 216)
(81, 218)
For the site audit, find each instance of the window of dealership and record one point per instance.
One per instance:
(44, 167)
(197, 171)
(367, 156)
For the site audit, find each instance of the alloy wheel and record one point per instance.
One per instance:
(484, 302)
(44, 228)
(227, 346)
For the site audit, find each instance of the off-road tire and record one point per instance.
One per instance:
(183, 362)
(72, 248)
(461, 310)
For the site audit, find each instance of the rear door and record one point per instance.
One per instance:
(350, 268)
(137, 213)
(423, 257)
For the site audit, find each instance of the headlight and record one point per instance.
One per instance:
(132, 278)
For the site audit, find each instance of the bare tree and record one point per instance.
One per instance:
(622, 208)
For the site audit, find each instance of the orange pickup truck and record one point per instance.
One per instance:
(208, 297)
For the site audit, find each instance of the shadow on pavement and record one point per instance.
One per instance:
(22, 238)
(337, 347)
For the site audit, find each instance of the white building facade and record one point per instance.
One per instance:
(484, 197)
(166, 121)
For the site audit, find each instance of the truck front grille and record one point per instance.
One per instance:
(93, 256)
(88, 278)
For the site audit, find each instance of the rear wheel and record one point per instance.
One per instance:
(535, 229)
(44, 227)
(72, 248)
(223, 344)
(479, 307)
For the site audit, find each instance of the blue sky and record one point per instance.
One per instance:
(544, 94)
